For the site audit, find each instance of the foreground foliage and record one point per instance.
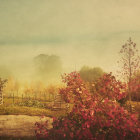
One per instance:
(95, 116)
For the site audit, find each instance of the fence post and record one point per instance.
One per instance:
(44, 97)
(13, 98)
(22, 97)
(49, 97)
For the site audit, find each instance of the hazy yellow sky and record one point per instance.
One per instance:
(81, 32)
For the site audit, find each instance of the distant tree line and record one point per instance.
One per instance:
(90, 74)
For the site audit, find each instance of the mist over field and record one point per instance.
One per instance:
(78, 32)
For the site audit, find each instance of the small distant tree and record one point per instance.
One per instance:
(129, 63)
(2, 83)
(17, 87)
(10, 86)
(52, 90)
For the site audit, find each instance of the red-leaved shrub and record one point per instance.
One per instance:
(95, 116)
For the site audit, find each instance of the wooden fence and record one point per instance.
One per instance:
(56, 102)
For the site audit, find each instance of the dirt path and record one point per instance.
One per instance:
(19, 125)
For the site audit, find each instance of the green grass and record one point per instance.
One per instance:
(8, 108)
(22, 110)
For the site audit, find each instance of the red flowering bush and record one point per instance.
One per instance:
(95, 116)
(108, 87)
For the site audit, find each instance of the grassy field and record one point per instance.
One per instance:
(8, 108)
(31, 111)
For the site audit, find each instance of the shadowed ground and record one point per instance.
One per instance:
(19, 126)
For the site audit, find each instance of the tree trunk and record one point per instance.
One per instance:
(129, 84)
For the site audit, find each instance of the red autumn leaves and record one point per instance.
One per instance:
(94, 116)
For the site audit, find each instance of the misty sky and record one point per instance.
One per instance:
(81, 32)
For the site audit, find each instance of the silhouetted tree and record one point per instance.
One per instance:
(90, 74)
(130, 63)
(48, 66)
